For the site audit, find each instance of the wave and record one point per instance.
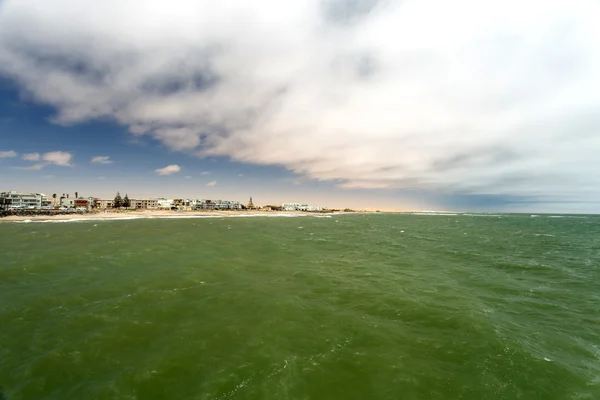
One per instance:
(170, 217)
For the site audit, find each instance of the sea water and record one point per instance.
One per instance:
(365, 306)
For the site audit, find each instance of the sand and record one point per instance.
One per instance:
(149, 214)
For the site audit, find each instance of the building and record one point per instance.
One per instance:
(181, 204)
(16, 200)
(164, 204)
(102, 204)
(300, 207)
(67, 202)
(82, 203)
(94, 202)
(206, 204)
(144, 204)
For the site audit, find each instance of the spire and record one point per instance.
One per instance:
(250, 203)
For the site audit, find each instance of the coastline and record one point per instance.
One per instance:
(166, 214)
(149, 214)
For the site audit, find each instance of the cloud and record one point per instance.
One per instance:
(204, 173)
(101, 160)
(34, 167)
(60, 158)
(8, 154)
(168, 170)
(448, 97)
(187, 177)
(31, 156)
(213, 183)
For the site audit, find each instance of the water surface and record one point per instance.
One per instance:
(349, 307)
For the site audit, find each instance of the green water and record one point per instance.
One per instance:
(348, 307)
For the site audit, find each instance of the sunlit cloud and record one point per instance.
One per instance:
(60, 158)
(168, 170)
(213, 183)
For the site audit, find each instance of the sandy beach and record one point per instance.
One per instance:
(151, 214)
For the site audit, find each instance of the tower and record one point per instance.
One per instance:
(250, 203)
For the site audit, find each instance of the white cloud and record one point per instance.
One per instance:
(168, 170)
(464, 96)
(213, 183)
(60, 158)
(31, 156)
(34, 167)
(187, 177)
(204, 173)
(8, 154)
(101, 160)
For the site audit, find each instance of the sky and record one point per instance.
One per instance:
(422, 105)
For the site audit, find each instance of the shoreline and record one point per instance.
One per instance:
(167, 214)
(164, 214)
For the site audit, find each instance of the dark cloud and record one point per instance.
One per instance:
(346, 12)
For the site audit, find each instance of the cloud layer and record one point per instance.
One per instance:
(467, 96)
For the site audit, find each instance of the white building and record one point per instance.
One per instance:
(164, 203)
(205, 204)
(300, 207)
(16, 200)
(67, 202)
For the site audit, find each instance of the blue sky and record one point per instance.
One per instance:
(379, 104)
(26, 128)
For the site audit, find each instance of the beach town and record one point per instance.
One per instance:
(15, 206)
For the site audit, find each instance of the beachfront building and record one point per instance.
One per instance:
(17, 200)
(164, 204)
(67, 202)
(47, 202)
(94, 202)
(144, 204)
(207, 204)
(181, 204)
(300, 207)
(82, 203)
(102, 204)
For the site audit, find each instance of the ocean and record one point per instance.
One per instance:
(357, 306)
